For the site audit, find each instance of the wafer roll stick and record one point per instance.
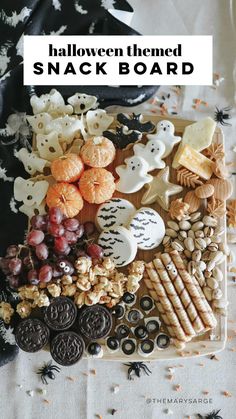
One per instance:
(207, 318)
(166, 304)
(183, 294)
(179, 344)
(174, 298)
(208, 307)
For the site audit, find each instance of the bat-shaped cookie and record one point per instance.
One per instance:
(134, 122)
(122, 138)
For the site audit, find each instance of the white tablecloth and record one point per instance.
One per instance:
(89, 395)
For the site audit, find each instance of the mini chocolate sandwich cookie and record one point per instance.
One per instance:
(146, 303)
(60, 314)
(31, 335)
(95, 322)
(113, 344)
(162, 341)
(122, 331)
(141, 332)
(128, 346)
(67, 348)
(152, 324)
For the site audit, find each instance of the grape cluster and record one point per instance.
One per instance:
(52, 239)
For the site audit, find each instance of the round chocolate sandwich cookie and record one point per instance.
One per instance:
(141, 332)
(118, 311)
(129, 298)
(128, 346)
(113, 343)
(146, 347)
(122, 331)
(67, 348)
(31, 335)
(60, 314)
(95, 322)
(146, 303)
(163, 341)
(153, 326)
(134, 315)
(94, 349)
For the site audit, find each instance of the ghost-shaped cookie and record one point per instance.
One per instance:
(31, 193)
(152, 153)
(98, 121)
(133, 175)
(165, 132)
(82, 102)
(31, 161)
(52, 103)
(48, 146)
(66, 127)
(39, 122)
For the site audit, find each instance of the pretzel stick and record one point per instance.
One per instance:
(184, 295)
(174, 298)
(166, 304)
(207, 318)
(179, 344)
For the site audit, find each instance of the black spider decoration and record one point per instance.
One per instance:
(134, 122)
(122, 138)
(221, 115)
(213, 415)
(47, 372)
(137, 367)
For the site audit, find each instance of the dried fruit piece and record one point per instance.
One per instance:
(178, 209)
(216, 207)
(231, 213)
(187, 178)
(215, 151)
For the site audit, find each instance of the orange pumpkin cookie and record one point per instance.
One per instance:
(97, 185)
(65, 196)
(98, 152)
(67, 168)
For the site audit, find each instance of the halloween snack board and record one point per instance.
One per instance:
(131, 247)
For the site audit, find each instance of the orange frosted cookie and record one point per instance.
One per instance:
(98, 152)
(97, 185)
(65, 196)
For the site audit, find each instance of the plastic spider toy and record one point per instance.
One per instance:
(212, 415)
(47, 372)
(136, 367)
(221, 115)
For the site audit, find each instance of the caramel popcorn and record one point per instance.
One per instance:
(6, 312)
(41, 301)
(67, 280)
(108, 264)
(133, 283)
(83, 264)
(137, 267)
(28, 292)
(54, 290)
(24, 309)
(69, 290)
(83, 283)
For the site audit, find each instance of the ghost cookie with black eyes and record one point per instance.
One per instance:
(133, 175)
(148, 228)
(152, 153)
(82, 102)
(118, 243)
(165, 133)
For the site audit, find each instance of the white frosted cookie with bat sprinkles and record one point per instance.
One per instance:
(115, 212)
(118, 243)
(148, 228)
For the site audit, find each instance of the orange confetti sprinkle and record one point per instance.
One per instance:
(170, 377)
(205, 392)
(46, 401)
(85, 373)
(196, 352)
(232, 349)
(93, 372)
(201, 364)
(71, 378)
(178, 387)
(227, 394)
(99, 416)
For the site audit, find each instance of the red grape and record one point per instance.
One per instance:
(15, 266)
(35, 237)
(41, 251)
(14, 281)
(38, 222)
(89, 228)
(45, 273)
(55, 215)
(12, 251)
(95, 251)
(70, 236)
(4, 265)
(80, 231)
(33, 277)
(56, 230)
(71, 224)
(60, 244)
